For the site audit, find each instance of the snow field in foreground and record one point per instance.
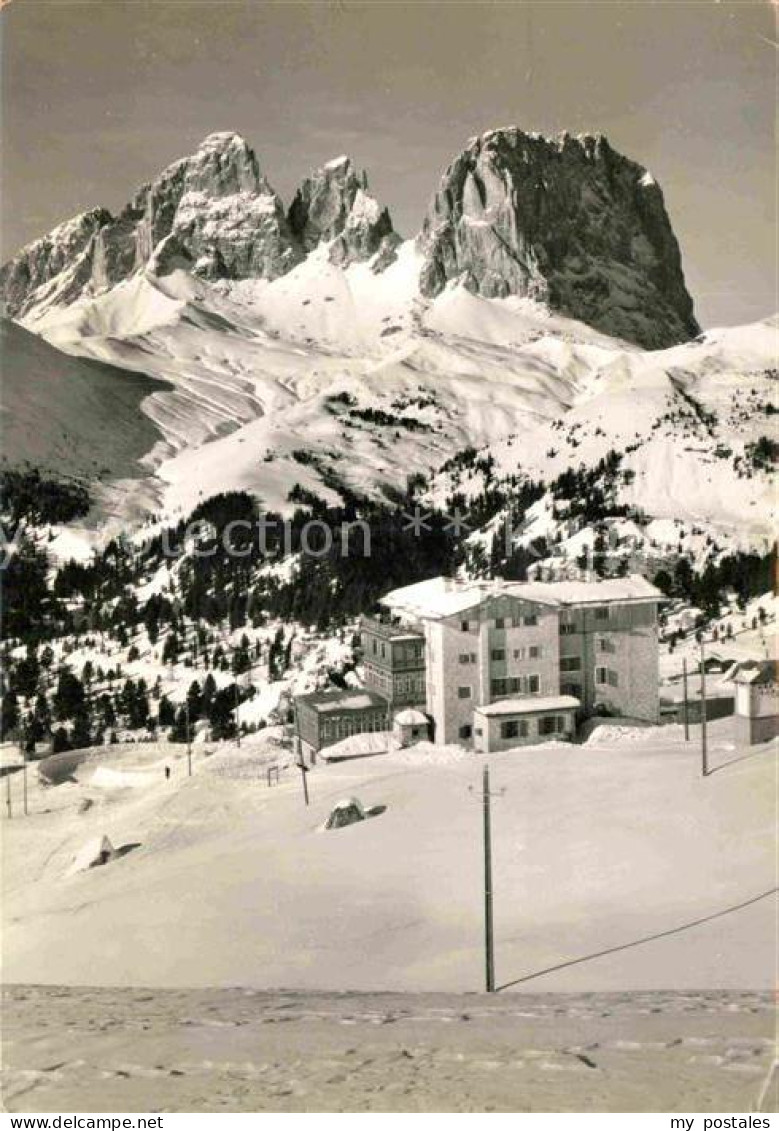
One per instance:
(594, 847)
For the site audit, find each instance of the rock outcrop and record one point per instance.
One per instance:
(214, 209)
(568, 222)
(61, 257)
(333, 205)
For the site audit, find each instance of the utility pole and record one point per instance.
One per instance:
(686, 704)
(301, 765)
(8, 790)
(489, 953)
(189, 738)
(704, 737)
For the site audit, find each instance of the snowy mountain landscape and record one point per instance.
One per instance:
(520, 391)
(263, 329)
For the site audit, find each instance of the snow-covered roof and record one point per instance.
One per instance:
(410, 717)
(445, 596)
(632, 588)
(529, 706)
(358, 699)
(754, 672)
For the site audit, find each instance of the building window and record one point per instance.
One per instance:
(551, 724)
(567, 629)
(570, 664)
(514, 728)
(465, 657)
(465, 626)
(606, 645)
(602, 612)
(500, 622)
(463, 692)
(530, 621)
(516, 622)
(498, 654)
(519, 653)
(478, 732)
(571, 689)
(466, 731)
(535, 652)
(533, 684)
(606, 676)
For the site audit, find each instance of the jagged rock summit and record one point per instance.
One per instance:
(566, 221)
(213, 213)
(333, 205)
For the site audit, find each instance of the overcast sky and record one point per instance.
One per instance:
(98, 96)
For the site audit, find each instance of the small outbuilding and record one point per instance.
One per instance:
(410, 726)
(757, 701)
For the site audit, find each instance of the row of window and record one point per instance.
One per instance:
(413, 683)
(521, 728)
(531, 652)
(574, 663)
(531, 684)
(403, 653)
(378, 677)
(498, 655)
(515, 685)
(345, 725)
(530, 620)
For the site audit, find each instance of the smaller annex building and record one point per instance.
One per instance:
(757, 701)
(507, 723)
(326, 717)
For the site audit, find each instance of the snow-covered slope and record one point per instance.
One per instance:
(587, 844)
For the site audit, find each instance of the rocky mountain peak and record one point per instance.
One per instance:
(567, 221)
(212, 211)
(333, 206)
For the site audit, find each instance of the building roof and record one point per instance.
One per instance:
(754, 672)
(447, 596)
(618, 589)
(356, 699)
(411, 717)
(529, 706)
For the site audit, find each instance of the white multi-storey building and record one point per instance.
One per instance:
(513, 663)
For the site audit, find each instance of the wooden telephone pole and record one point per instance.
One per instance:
(189, 739)
(704, 737)
(686, 703)
(489, 938)
(301, 765)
